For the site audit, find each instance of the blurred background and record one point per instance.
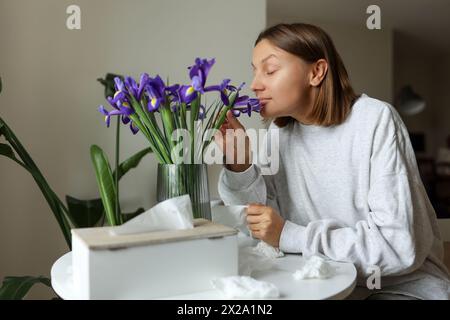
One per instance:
(50, 93)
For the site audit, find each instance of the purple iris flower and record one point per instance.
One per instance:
(246, 105)
(120, 86)
(132, 87)
(123, 111)
(125, 119)
(187, 94)
(173, 90)
(156, 93)
(238, 100)
(120, 95)
(106, 114)
(119, 102)
(142, 83)
(174, 94)
(223, 89)
(199, 73)
(133, 128)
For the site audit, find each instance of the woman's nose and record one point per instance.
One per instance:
(256, 85)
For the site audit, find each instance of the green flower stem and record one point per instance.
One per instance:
(151, 135)
(116, 180)
(156, 129)
(209, 125)
(143, 129)
(183, 116)
(168, 124)
(221, 117)
(195, 106)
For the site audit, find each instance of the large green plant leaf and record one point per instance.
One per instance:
(88, 213)
(7, 151)
(15, 288)
(2, 127)
(131, 163)
(105, 184)
(58, 208)
(85, 213)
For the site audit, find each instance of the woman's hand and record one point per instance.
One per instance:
(265, 223)
(227, 140)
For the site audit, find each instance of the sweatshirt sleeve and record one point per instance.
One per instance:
(241, 188)
(397, 234)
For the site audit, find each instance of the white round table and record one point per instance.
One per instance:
(339, 286)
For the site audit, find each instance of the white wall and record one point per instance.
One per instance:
(50, 96)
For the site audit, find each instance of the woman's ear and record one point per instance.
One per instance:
(318, 72)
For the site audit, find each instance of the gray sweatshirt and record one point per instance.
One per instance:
(352, 193)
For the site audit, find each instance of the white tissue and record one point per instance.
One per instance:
(244, 287)
(171, 214)
(251, 261)
(233, 216)
(314, 267)
(268, 251)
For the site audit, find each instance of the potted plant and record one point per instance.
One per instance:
(75, 213)
(188, 125)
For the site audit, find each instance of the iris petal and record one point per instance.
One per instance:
(133, 128)
(125, 119)
(103, 110)
(119, 84)
(224, 98)
(197, 83)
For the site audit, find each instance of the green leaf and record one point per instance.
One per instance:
(58, 208)
(7, 151)
(85, 213)
(105, 183)
(131, 162)
(88, 213)
(129, 216)
(15, 288)
(2, 125)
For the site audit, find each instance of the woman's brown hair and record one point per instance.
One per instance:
(310, 43)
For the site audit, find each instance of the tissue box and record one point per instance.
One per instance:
(154, 264)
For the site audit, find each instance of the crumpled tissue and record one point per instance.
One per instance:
(251, 261)
(258, 258)
(314, 267)
(245, 287)
(268, 251)
(251, 258)
(171, 214)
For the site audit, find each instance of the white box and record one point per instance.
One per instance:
(152, 265)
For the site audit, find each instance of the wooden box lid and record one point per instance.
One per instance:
(101, 239)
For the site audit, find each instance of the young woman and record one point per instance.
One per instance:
(347, 186)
